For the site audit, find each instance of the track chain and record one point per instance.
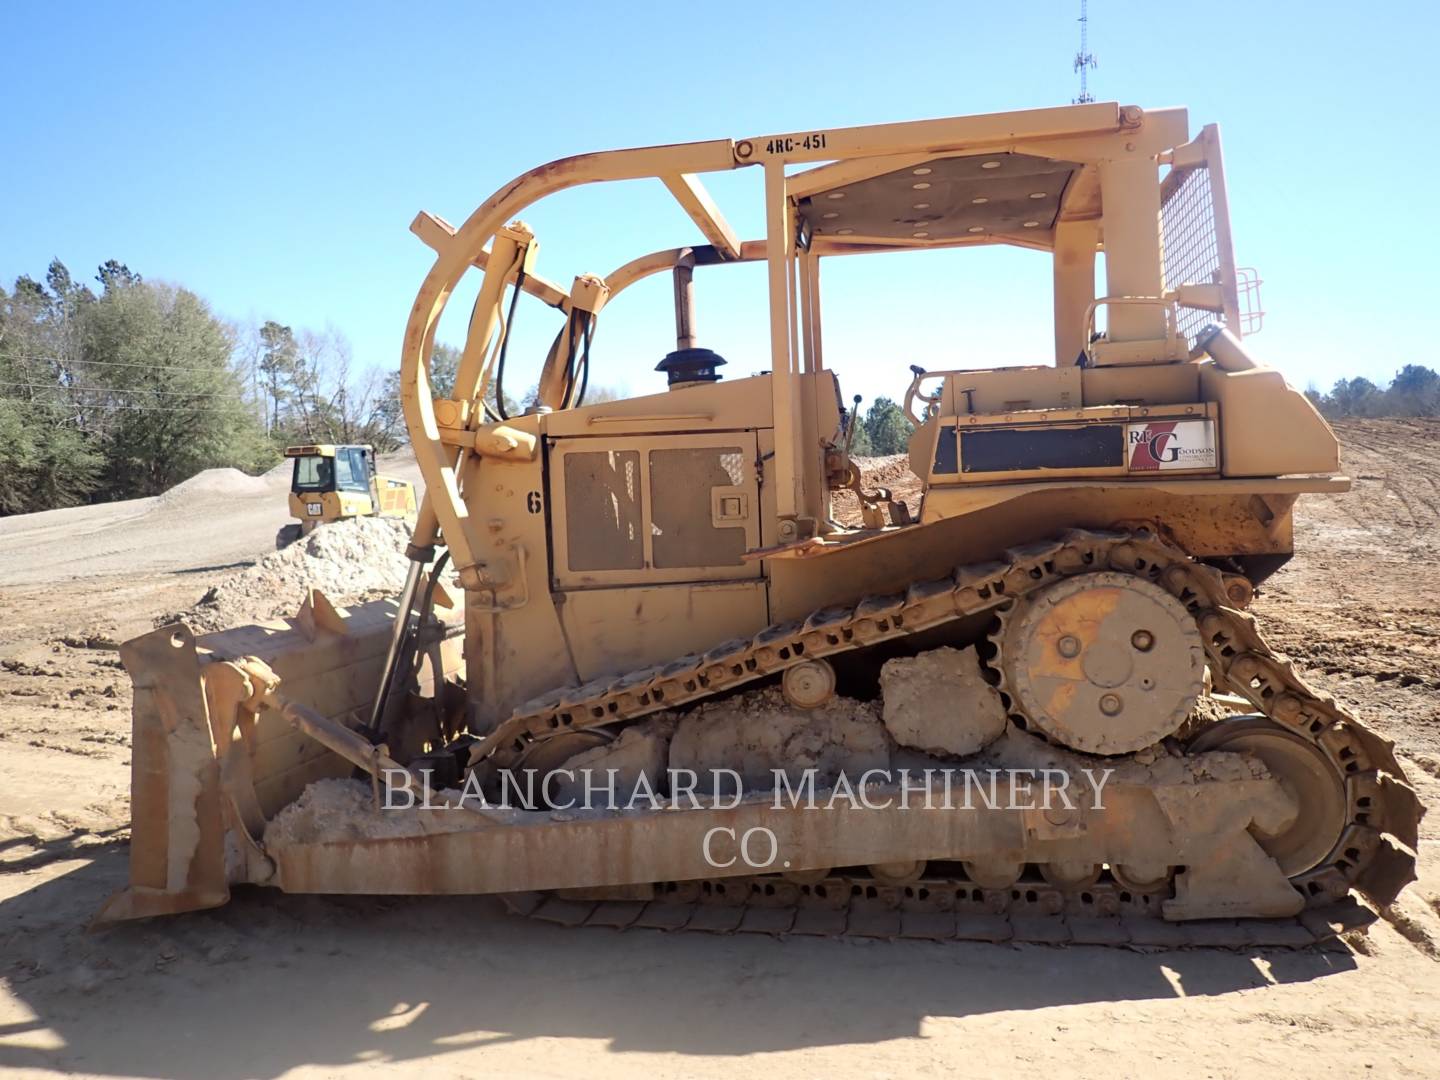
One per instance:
(932, 909)
(1375, 855)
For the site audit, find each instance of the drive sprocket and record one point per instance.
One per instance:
(1102, 662)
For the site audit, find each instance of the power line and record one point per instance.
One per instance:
(110, 363)
(130, 408)
(120, 390)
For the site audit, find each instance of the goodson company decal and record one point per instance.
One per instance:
(1171, 444)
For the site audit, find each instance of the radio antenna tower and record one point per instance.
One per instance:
(1083, 60)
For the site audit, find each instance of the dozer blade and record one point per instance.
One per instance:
(177, 853)
(205, 775)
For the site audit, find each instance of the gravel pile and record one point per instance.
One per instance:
(213, 482)
(349, 561)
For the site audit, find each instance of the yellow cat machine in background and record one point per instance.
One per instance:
(332, 483)
(1074, 579)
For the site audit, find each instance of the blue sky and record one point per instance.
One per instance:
(271, 157)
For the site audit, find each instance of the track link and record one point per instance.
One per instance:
(1374, 856)
(933, 909)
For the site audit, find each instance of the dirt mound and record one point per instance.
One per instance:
(892, 472)
(216, 482)
(350, 561)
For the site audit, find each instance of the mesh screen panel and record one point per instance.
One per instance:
(1192, 250)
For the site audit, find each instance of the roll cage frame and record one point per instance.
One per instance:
(1116, 150)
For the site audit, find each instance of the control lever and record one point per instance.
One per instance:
(850, 427)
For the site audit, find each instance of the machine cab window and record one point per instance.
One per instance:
(352, 469)
(322, 468)
(314, 472)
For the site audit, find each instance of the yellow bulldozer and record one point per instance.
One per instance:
(1030, 706)
(334, 483)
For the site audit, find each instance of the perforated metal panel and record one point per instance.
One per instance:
(654, 509)
(946, 198)
(682, 530)
(603, 514)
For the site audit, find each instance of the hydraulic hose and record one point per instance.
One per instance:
(397, 638)
(401, 654)
(505, 346)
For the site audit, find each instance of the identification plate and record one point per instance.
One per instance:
(1170, 445)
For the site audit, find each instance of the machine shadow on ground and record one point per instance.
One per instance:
(342, 981)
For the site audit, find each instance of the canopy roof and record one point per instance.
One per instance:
(946, 198)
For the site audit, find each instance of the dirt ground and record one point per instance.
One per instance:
(275, 986)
